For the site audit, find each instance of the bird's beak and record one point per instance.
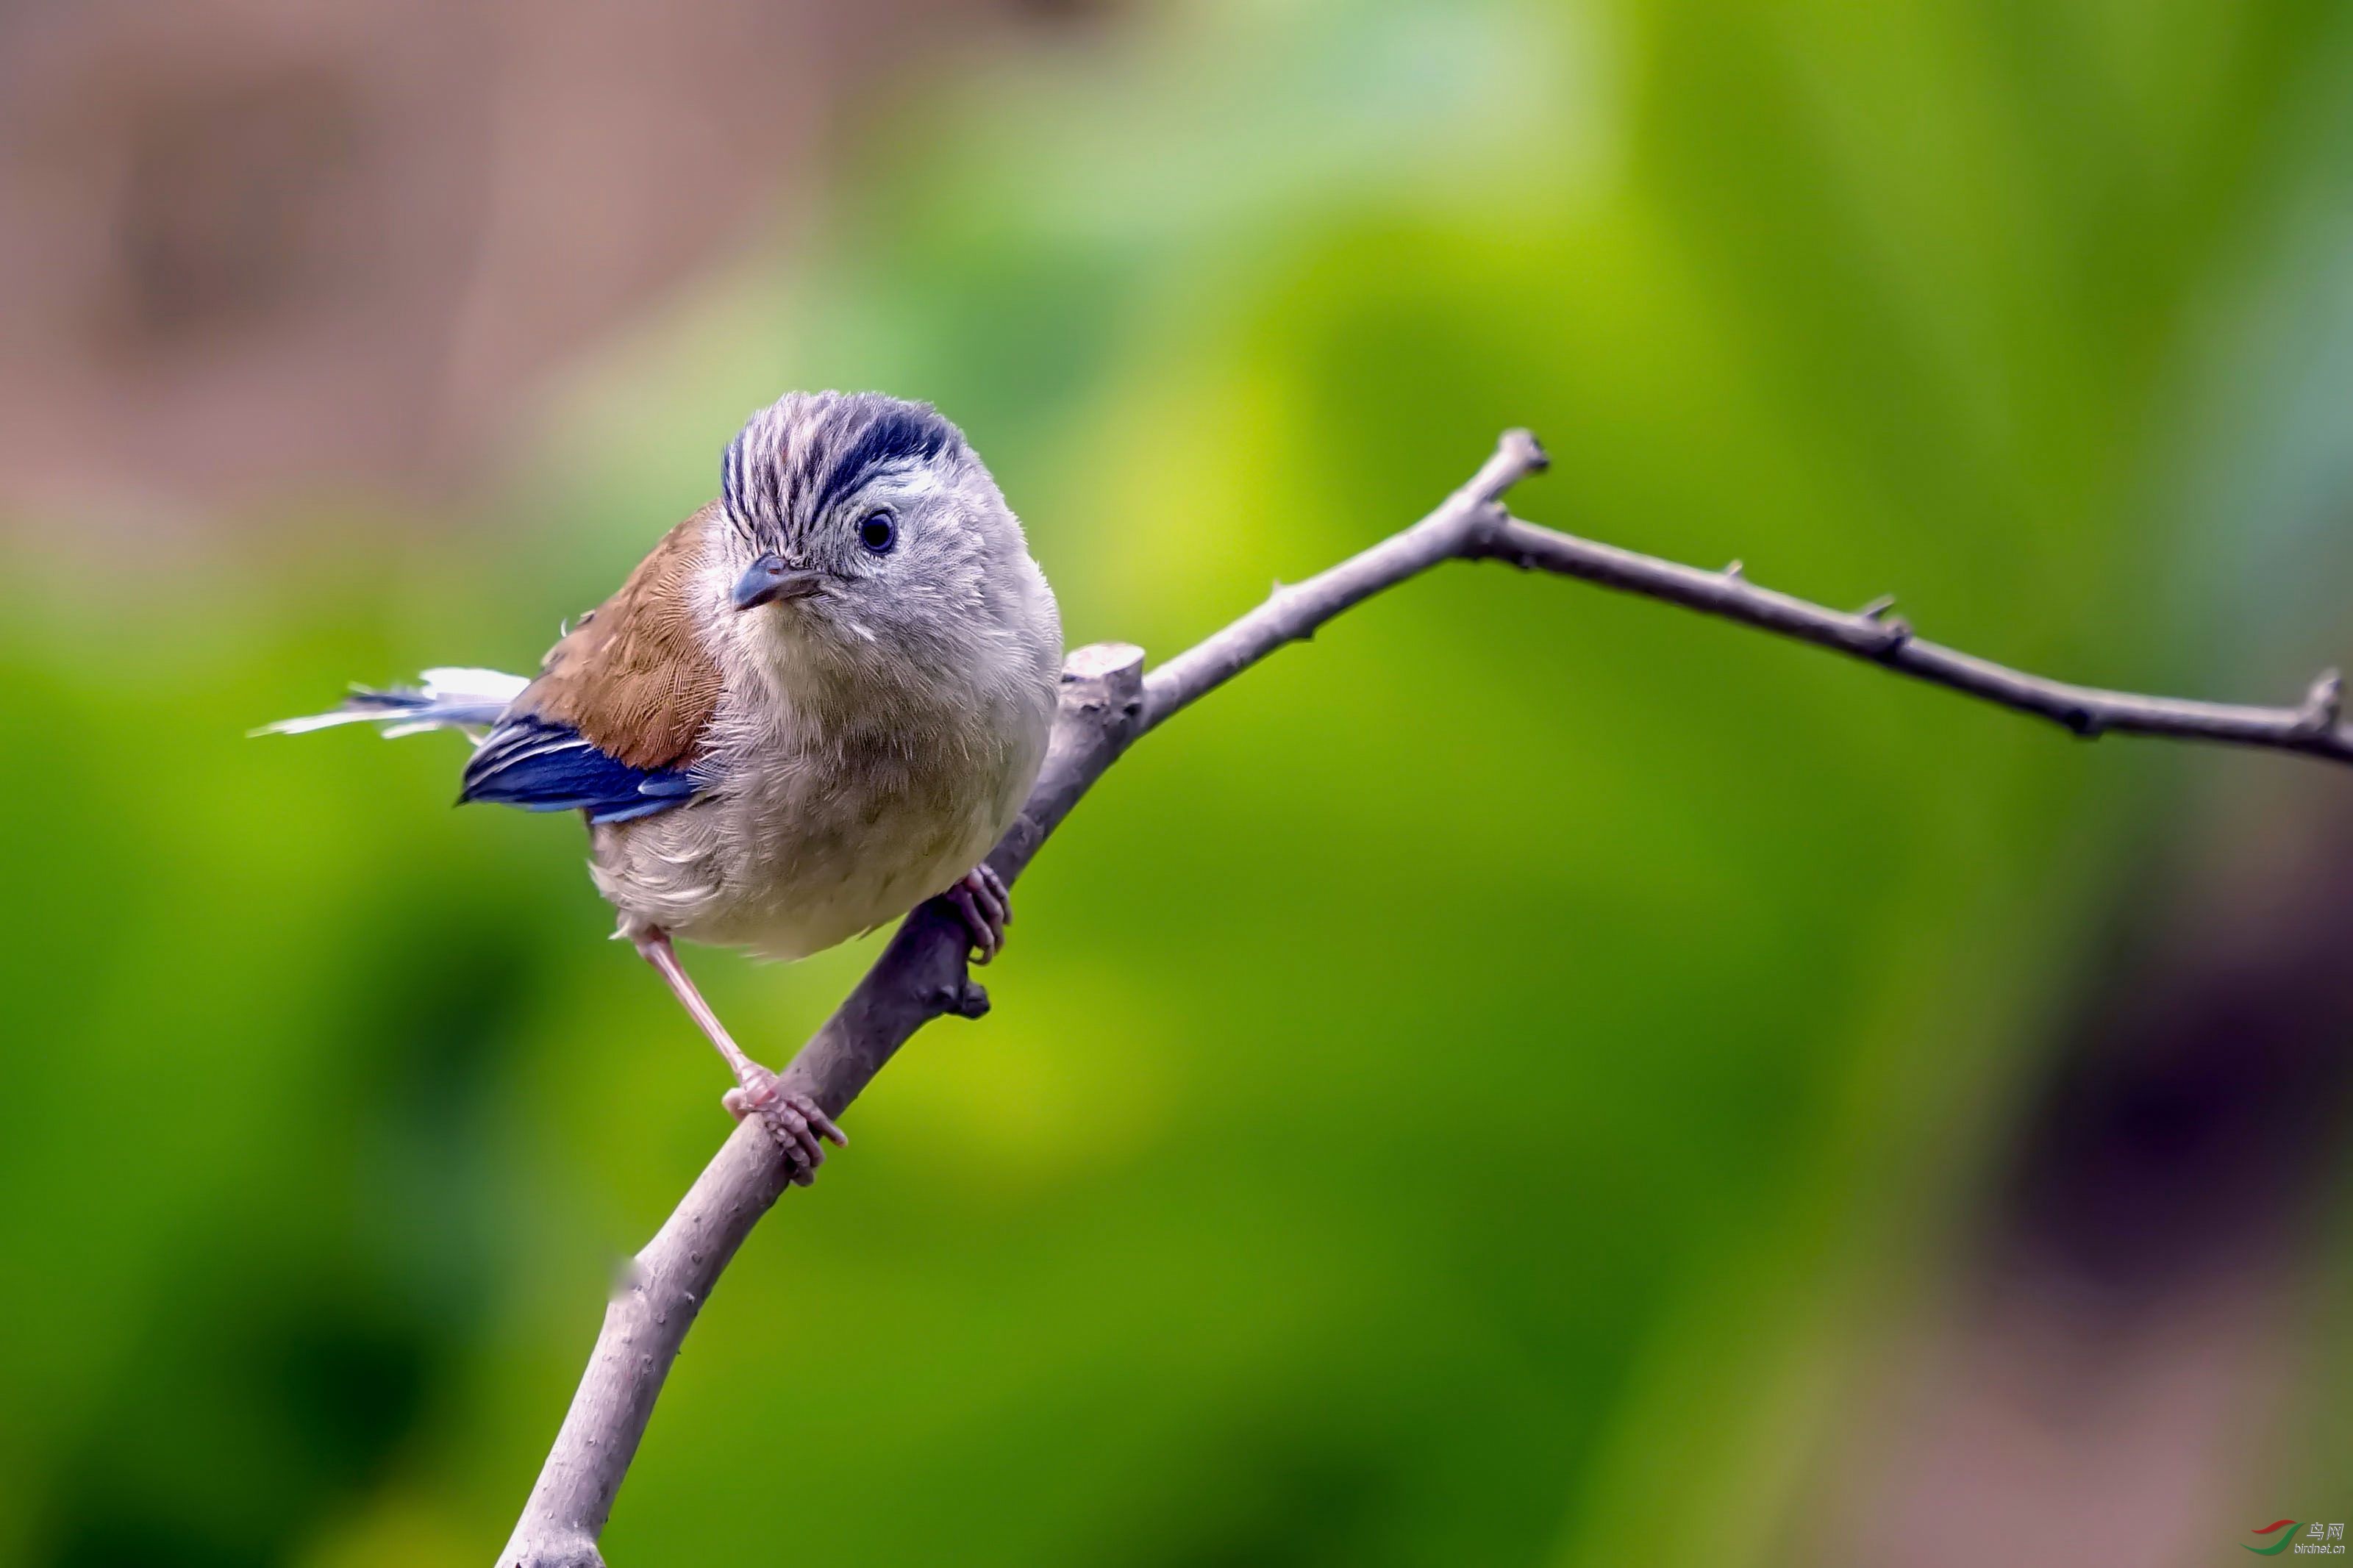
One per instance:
(768, 578)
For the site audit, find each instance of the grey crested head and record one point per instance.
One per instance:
(858, 522)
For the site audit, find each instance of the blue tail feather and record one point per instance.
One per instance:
(544, 766)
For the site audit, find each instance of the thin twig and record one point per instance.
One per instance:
(1870, 633)
(1293, 613)
(1107, 704)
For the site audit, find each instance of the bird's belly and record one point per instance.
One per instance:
(790, 865)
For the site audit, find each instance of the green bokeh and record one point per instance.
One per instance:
(1466, 1094)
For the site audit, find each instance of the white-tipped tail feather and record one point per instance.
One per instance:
(448, 698)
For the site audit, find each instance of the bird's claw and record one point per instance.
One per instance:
(981, 897)
(793, 1120)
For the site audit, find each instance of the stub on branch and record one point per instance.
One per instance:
(1101, 661)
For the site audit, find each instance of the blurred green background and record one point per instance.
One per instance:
(1529, 1078)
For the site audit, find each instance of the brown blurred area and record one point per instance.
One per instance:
(2130, 1338)
(255, 245)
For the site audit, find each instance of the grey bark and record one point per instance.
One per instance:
(2314, 727)
(1108, 702)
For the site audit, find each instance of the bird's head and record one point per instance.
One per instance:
(858, 524)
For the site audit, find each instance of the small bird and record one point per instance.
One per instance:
(818, 703)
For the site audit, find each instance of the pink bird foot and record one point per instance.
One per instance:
(981, 897)
(795, 1120)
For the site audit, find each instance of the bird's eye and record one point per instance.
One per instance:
(878, 532)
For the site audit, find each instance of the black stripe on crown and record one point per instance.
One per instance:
(731, 482)
(893, 431)
(850, 438)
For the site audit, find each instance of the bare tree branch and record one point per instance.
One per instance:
(1871, 634)
(1107, 704)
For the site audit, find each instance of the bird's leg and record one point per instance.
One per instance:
(981, 897)
(795, 1118)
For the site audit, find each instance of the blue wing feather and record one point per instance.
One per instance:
(540, 766)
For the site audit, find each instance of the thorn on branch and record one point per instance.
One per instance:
(2324, 705)
(1274, 596)
(965, 998)
(1877, 607)
(1736, 570)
